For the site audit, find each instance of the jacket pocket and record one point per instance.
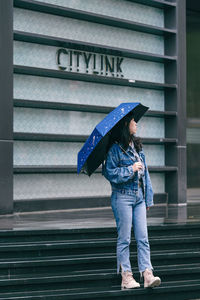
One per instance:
(125, 162)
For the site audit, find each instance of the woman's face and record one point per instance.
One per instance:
(132, 127)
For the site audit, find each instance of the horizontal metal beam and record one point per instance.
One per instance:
(82, 107)
(29, 136)
(91, 78)
(35, 169)
(90, 47)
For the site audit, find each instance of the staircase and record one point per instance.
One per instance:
(81, 264)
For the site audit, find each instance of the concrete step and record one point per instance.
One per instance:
(185, 290)
(52, 264)
(23, 235)
(91, 246)
(97, 278)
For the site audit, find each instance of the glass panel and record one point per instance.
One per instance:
(69, 91)
(193, 195)
(45, 57)
(41, 23)
(36, 186)
(193, 65)
(52, 153)
(69, 122)
(193, 135)
(193, 170)
(193, 106)
(118, 9)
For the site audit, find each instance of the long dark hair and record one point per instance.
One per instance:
(121, 134)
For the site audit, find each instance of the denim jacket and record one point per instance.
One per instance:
(118, 170)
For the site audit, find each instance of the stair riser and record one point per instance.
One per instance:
(105, 233)
(180, 295)
(95, 249)
(61, 285)
(89, 265)
(127, 295)
(57, 237)
(90, 282)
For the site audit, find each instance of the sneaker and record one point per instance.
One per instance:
(128, 282)
(150, 280)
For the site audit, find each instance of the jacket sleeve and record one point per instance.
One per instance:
(149, 190)
(113, 172)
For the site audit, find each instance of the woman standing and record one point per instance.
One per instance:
(132, 195)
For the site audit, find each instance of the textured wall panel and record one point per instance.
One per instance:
(68, 91)
(59, 185)
(63, 27)
(57, 153)
(69, 122)
(116, 8)
(37, 186)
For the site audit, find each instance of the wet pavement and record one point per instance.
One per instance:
(85, 218)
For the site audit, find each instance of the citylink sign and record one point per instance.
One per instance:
(90, 63)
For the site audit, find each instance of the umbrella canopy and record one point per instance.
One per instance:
(93, 152)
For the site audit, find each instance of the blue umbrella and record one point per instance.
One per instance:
(93, 152)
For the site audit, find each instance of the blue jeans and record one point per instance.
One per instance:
(130, 210)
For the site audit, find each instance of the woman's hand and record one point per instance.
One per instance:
(136, 166)
(148, 208)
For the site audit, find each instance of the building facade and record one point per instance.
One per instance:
(64, 66)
